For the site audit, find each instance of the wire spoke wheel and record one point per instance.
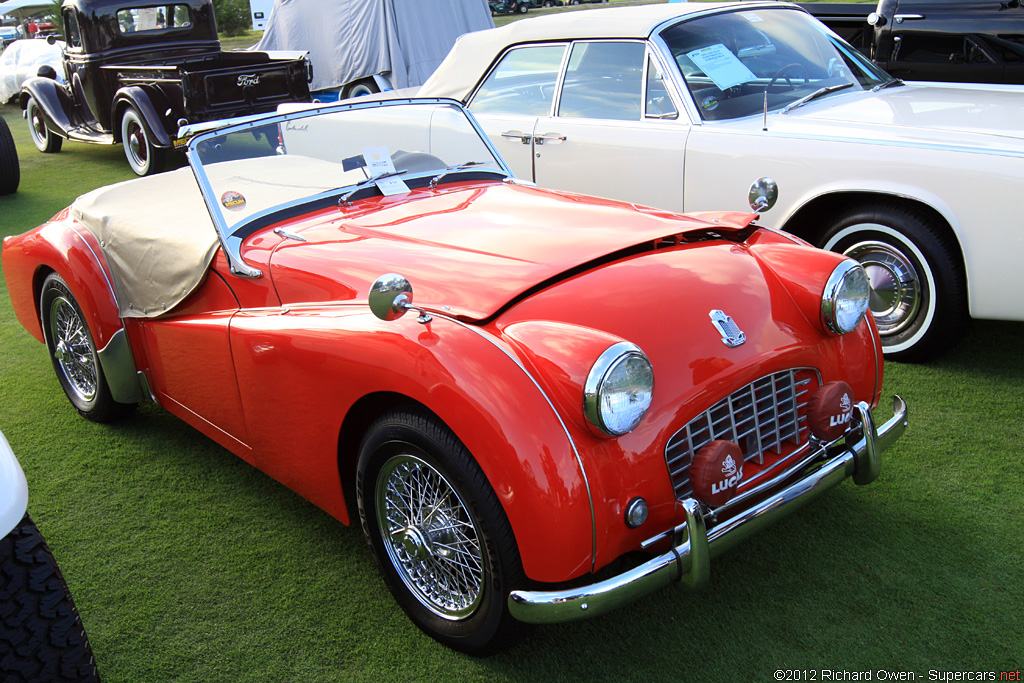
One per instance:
(72, 348)
(438, 532)
(430, 537)
(73, 353)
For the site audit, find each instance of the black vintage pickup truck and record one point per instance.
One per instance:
(971, 41)
(137, 71)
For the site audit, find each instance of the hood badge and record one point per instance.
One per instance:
(732, 335)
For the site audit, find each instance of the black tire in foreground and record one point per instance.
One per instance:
(73, 353)
(10, 171)
(41, 635)
(918, 286)
(438, 533)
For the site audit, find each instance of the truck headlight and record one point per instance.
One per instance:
(845, 299)
(619, 389)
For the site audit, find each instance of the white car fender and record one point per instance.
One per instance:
(13, 489)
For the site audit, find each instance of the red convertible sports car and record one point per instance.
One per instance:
(577, 381)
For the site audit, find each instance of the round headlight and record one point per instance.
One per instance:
(845, 299)
(619, 389)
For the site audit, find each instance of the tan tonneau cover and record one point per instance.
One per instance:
(157, 235)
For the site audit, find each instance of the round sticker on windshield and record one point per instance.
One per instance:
(232, 201)
(710, 103)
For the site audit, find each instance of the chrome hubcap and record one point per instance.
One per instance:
(895, 285)
(137, 145)
(72, 348)
(430, 537)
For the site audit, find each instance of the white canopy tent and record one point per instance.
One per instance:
(25, 8)
(350, 40)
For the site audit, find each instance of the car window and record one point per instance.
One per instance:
(136, 19)
(736, 62)
(74, 36)
(937, 48)
(604, 80)
(658, 103)
(523, 82)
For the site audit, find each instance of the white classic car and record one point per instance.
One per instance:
(685, 106)
(41, 634)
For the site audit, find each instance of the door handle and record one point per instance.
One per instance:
(555, 137)
(525, 138)
(900, 18)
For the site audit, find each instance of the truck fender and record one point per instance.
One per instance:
(149, 103)
(52, 99)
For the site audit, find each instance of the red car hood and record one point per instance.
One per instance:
(471, 247)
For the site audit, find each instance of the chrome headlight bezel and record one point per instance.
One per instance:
(846, 297)
(595, 391)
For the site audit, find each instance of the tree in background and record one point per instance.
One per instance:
(233, 16)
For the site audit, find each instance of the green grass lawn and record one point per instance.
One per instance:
(187, 564)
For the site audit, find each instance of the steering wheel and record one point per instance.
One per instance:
(782, 74)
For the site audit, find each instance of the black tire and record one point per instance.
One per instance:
(45, 140)
(73, 354)
(919, 289)
(523, 8)
(467, 610)
(10, 171)
(143, 156)
(42, 639)
(365, 86)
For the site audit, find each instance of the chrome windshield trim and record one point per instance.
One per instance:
(231, 237)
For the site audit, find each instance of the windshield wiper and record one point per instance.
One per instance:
(452, 169)
(369, 181)
(887, 84)
(815, 95)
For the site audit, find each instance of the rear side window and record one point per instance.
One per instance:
(158, 18)
(523, 82)
(604, 81)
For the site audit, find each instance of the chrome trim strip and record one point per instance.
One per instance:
(568, 436)
(690, 557)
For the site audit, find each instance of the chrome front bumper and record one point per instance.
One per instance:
(689, 561)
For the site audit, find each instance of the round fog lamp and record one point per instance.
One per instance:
(636, 512)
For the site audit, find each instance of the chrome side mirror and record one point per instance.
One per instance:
(763, 194)
(391, 296)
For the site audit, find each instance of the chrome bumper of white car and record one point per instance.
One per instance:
(689, 561)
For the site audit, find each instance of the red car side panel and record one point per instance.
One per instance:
(300, 371)
(67, 249)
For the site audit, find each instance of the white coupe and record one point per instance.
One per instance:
(685, 106)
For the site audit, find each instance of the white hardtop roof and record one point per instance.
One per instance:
(460, 71)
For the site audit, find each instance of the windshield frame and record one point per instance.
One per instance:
(697, 117)
(232, 236)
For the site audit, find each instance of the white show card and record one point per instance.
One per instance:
(721, 66)
(378, 160)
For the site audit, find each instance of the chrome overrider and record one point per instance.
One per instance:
(689, 560)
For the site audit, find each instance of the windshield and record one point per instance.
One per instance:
(730, 60)
(267, 169)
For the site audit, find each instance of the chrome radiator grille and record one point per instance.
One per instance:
(768, 415)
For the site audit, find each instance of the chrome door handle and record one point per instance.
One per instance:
(525, 138)
(539, 139)
(900, 18)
